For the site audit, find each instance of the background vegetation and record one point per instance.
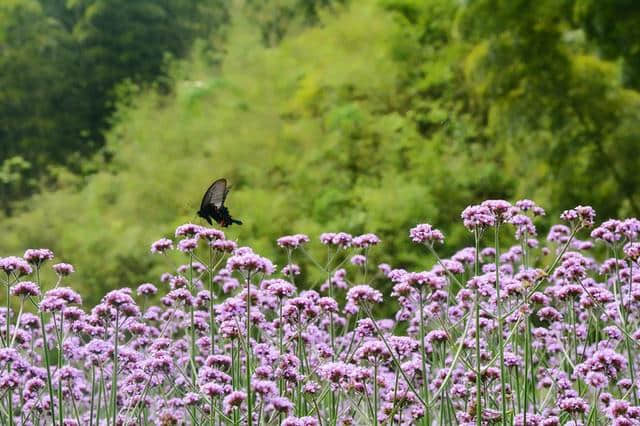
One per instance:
(367, 116)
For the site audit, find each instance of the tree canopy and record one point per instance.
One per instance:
(366, 116)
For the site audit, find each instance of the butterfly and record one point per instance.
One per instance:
(212, 205)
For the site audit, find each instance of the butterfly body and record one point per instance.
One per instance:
(212, 205)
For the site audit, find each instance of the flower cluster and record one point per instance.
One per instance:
(541, 335)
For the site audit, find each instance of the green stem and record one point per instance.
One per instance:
(477, 309)
(423, 357)
(248, 353)
(500, 326)
(114, 378)
(375, 392)
(45, 346)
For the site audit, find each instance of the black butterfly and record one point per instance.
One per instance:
(212, 205)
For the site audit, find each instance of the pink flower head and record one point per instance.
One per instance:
(365, 240)
(210, 234)
(249, 262)
(426, 234)
(500, 209)
(188, 230)
(292, 241)
(63, 269)
(528, 205)
(234, 400)
(26, 289)
(37, 256)
(524, 225)
(291, 269)
(608, 231)
(146, 289)
(632, 251)
(477, 217)
(582, 215)
(188, 245)
(224, 246)
(364, 293)
(340, 239)
(17, 265)
(162, 245)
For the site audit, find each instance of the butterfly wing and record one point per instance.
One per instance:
(215, 195)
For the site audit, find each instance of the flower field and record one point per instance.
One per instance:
(542, 332)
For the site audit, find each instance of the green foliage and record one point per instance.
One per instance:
(62, 61)
(383, 115)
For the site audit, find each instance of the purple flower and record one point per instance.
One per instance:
(188, 230)
(292, 241)
(477, 217)
(117, 298)
(421, 279)
(250, 262)
(210, 234)
(234, 400)
(372, 351)
(264, 388)
(57, 298)
(500, 209)
(188, 245)
(340, 239)
(213, 390)
(278, 288)
(359, 260)
(573, 405)
(632, 251)
(15, 264)
(524, 226)
(437, 336)
(37, 256)
(528, 205)
(582, 215)
(25, 289)
(608, 232)
(146, 289)
(291, 270)
(365, 241)
(363, 293)
(224, 246)
(162, 245)
(281, 405)
(426, 234)
(63, 269)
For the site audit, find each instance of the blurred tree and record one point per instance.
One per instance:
(61, 61)
(277, 18)
(614, 26)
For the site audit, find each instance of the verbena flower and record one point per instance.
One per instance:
(477, 217)
(426, 234)
(293, 241)
(363, 293)
(188, 245)
(25, 289)
(146, 289)
(162, 245)
(250, 262)
(37, 256)
(17, 265)
(340, 239)
(580, 215)
(63, 269)
(365, 241)
(188, 230)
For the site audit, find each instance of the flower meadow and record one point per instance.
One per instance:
(536, 333)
